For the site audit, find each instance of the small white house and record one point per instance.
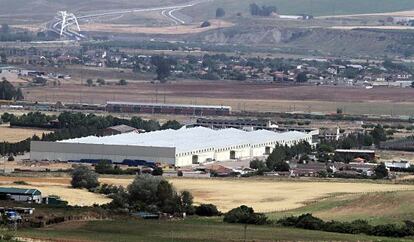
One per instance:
(398, 164)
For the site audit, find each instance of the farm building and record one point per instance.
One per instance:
(20, 194)
(155, 108)
(352, 154)
(182, 147)
(118, 129)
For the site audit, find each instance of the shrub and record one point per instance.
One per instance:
(207, 210)
(205, 24)
(21, 183)
(11, 158)
(83, 177)
(257, 164)
(122, 82)
(157, 171)
(180, 173)
(307, 221)
(244, 215)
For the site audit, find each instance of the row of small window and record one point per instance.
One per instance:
(195, 152)
(234, 147)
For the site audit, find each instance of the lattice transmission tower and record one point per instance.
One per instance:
(66, 20)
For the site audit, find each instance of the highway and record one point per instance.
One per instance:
(166, 11)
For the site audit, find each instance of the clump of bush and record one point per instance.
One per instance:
(207, 210)
(308, 221)
(151, 194)
(109, 189)
(83, 177)
(21, 183)
(105, 167)
(245, 215)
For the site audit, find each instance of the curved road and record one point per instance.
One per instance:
(167, 11)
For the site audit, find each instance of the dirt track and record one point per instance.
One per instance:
(221, 90)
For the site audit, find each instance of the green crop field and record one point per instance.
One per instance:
(313, 7)
(376, 208)
(193, 229)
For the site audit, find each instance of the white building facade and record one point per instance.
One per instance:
(183, 147)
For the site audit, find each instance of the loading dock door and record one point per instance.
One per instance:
(232, 155)
(195, 159)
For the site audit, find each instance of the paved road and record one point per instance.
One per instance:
(166, 11)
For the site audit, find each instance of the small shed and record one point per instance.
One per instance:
(20, 194)
(118, 129)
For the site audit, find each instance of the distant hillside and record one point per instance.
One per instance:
(318, 41)
(24, 11)
(313, 7)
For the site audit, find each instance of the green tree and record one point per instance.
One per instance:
(103, 167)
(187, 202)
(378, 134)
(122, 82)
(207, 210)
(83, 177)
(302, 77)
(100, 81)
(281, 166)
(89, 82)
(277, 156)
(368, 140)
(381, 171)
(157, 171)
(143, 191)
(171, 124)
(8, 91)
(244, 215)
(163, 67)
(257, 164)
(220, 13)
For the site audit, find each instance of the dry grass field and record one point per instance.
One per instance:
(266, 195)
(57, 186)
(393, 27)
(10, 134)
(376, 208)
(136, 29)
(241, 96)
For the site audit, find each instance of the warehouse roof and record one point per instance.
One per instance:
(20, 191)
(192, 139)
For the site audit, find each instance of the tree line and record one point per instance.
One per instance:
(307, 221)
(264, 10)
(276, 161)
(9, 92)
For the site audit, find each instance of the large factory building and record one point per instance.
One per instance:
(183, 147)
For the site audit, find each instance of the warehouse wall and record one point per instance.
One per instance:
(117, 153)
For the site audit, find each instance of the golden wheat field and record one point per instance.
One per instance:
(10, 134)
(80, 197)
(265, 195)
(59, 187)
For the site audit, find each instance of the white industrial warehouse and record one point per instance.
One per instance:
(182, 147)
